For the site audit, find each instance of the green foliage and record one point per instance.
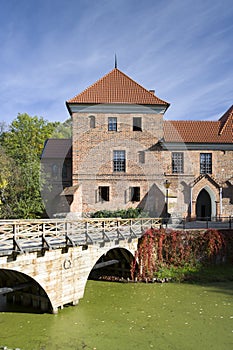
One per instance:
(198, 273)
(3, 127)
(177, 273)
(63, 130)
(9, 182)
(130, 213)
(21, 146)
(25, 139)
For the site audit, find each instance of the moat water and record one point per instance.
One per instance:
(118, 316)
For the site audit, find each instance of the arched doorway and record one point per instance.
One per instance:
(203, 205)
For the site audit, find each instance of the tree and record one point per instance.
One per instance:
(26, 136)
(9, 185)
(20, 177)
(3, 127)
(63, 130)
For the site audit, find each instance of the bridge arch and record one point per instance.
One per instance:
(116, 263)
(18, 288)
(59, 276)
(107, 252)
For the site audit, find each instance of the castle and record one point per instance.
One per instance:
(124, 154)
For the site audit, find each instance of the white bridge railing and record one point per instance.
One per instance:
(20, 236)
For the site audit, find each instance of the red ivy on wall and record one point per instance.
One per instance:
(166, 247)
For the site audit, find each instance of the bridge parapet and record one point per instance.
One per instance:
(47, 276)
(19, 236)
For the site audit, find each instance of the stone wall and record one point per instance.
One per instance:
(61, 274)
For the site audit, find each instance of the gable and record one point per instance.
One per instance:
(206, 178)
(226, 122)
(117, 87)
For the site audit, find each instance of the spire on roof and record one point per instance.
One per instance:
(115, 61)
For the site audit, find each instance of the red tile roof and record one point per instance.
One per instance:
(117, 87)
(191, 131)
(227, 122)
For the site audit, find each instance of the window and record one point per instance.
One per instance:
(104, 193)
(112, 124)
(92, 121)
(177, 162)
(206, 163)
(137, 124)
(141, 157)
(119, 161)
(135, 194)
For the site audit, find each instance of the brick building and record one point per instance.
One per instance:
(125, 154)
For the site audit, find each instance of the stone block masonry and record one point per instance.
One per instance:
(57, 277)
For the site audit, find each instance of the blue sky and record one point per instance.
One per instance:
(50, 50)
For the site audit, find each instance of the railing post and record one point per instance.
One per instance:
(103, 229)
(132, 233)
(14, 236)
(86, 229)
(66, 229)
(118, 231)
(43, 229)
(45, 242)
(16, 244)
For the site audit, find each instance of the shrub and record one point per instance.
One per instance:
(129, 213)
(179, 252)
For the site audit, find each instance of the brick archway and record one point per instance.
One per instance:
(204, 205)
(208, 188)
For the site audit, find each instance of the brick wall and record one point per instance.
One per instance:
(147, 167)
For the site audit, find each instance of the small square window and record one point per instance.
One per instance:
(112, 124)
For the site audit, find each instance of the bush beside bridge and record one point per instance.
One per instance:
(166, 254)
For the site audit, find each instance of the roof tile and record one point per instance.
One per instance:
(191, 131)
(117, 87)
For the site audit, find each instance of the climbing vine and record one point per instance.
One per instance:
(160, 249)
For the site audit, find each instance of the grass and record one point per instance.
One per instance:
(197, 274)
(213, 273)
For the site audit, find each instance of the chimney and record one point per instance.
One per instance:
(152, 92)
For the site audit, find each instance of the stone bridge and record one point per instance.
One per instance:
(46, 263)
